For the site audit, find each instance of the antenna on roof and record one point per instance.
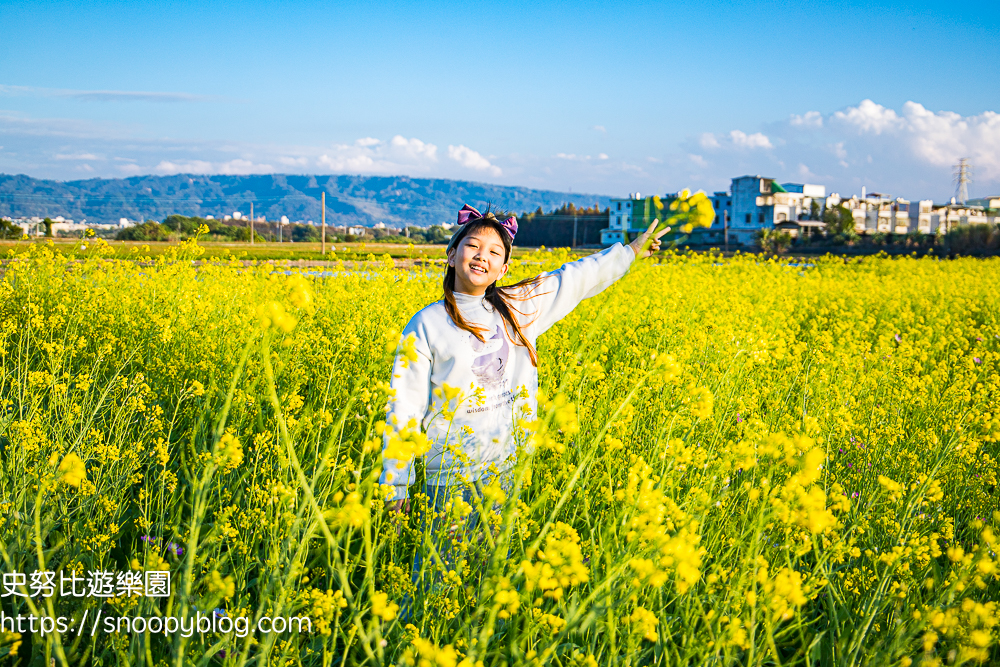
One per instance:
(963, 176)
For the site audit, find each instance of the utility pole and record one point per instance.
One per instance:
(251, 223)
(725, 228)
(574, 231)
(322, 204)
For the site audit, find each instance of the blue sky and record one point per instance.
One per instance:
(594, 97)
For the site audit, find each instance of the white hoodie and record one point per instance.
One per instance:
(481, 430)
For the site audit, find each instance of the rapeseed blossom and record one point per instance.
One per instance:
(712, 469)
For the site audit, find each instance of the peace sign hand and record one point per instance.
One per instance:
(648, 242)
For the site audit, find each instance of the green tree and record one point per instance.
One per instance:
(839, 222)
(8, 230)
(814, 211)
(774, 241)
(147, 231)
(48, 227)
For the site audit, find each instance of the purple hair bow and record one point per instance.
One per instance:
(469, 213)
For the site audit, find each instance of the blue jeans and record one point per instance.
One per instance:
(450, 535)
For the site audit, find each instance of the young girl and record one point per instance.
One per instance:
(481, 338)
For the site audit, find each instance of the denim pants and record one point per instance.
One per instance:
(446, 534)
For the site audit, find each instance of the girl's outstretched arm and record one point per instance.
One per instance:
(411, 383)
(559, 292)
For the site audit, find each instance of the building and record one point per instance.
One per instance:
(992, 202)
(754, 203)
(945, 217)
(619, 220)
(875, 212)
(762, 203)
(627, 218)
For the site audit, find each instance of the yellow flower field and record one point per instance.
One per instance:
(737, 461)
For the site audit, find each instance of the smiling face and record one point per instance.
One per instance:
(479, 260)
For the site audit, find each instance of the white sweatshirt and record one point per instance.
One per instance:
(449, 355)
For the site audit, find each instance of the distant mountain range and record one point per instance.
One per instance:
(353, 200)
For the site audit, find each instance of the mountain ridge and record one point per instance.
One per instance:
(350, 199)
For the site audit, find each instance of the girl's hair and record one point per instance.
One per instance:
(498, 297)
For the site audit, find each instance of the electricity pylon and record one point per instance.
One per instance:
(963, 176)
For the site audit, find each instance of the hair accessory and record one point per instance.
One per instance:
(469, 213)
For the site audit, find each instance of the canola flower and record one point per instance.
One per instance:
(733, 461)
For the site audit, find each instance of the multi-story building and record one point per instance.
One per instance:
(876, 212)
(762, 203)
(991, 202)
(752, 204)
(946, 217)
(619, 220)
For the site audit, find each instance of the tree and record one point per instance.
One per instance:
(774, 241)
(48, 227)
(147, 231)
(839, 222)
(8, 230)
(814, 211)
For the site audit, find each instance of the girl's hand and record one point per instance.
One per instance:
(648, 242)
(401, 505)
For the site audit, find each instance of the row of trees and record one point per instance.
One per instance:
(566, 226)
(553, 229)
(8, 230)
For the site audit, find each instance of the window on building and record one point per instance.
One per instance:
(760, 217)
(619, 220)
(748, 218)
(619, 207)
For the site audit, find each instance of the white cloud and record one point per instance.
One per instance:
(103, 95)
(808, 119)
(352, 163)
(413, 148)
(172, 167)
(76, 156)
(600, 128)
(167, 168)
(293, 161)
(697, 159)
(374, 156)
(935, 138)
(909, 152)
(472, 160)
(744, 140)
(600, 156)
(869, 117)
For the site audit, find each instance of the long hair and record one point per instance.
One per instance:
(499, 298)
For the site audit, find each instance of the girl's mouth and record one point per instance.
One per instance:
(477, 269)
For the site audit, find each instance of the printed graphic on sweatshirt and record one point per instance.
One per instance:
(490, 365)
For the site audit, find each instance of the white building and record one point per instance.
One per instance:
(620, 220)
(762, 203)
(992, 202)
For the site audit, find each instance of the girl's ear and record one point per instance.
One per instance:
(451, 258)
(503, 271)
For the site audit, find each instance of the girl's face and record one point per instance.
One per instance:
(478, 260)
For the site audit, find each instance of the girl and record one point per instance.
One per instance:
(480, 340)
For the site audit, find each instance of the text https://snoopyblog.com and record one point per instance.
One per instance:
(200, 623)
